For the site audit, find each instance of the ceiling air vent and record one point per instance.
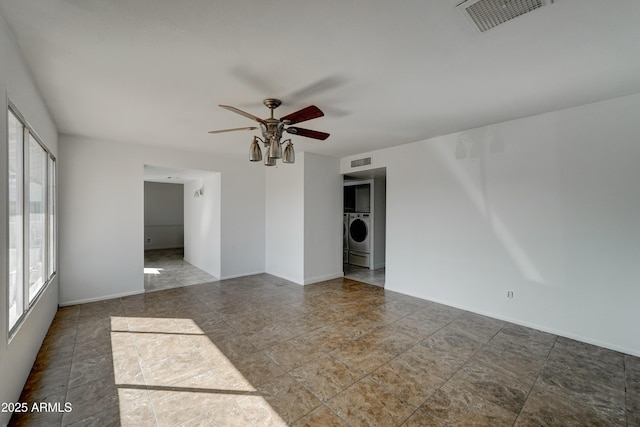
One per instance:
(483, 15)
(361, 162)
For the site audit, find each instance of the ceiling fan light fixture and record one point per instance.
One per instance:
(272, 130)
(275, 149)
(255, 153)
(268, 160)
(288, 155)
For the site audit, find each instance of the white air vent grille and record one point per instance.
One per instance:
(483, 15)
(361, 162)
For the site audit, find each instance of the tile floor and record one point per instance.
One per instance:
(361, 274)
(261, 351)
(167, 269)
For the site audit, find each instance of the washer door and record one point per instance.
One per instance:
(358, 230)
(359, 235)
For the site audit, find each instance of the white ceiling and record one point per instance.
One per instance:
(385, 73)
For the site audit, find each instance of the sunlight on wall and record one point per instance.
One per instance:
(476, 194)
(168, 369)
(148, 270)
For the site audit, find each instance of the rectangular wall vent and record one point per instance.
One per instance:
(361, 162)
(483, 15)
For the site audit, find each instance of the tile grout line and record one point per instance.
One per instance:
(626, 405)
(457, 370)
(536, 379)
(146, 386)
(75, 340)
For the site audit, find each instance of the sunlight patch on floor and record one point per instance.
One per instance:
(170, 370)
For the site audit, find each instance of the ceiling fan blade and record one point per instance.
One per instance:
(307, 132)
(242, 113)
(311, 112)
(233, 129)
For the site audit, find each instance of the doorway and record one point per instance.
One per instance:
(181, 227)
(364, 229)
(163, 215)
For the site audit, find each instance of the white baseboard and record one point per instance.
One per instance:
(287, 278)
(102, 298)
(323, 278)
(235, 276)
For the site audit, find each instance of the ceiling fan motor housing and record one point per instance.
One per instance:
(272, 103)
(272, 129)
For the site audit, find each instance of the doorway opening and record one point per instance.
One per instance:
(181, 227)
(364, 226)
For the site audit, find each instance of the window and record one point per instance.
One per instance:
(16, 227)
(51, 206)
(32, 248)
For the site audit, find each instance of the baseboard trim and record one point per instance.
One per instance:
(323, 278)
(289, 279)
(102, 298)
(235, 276)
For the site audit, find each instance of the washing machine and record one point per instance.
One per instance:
(345, 238)
(359, 239)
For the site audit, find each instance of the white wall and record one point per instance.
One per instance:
(379, 207)
(284, 219)
(323, 198)
(202, 224)
(242, 211)
(101, 215)
(546, 207)
(163, 215)
(304, 219)
(17, 356)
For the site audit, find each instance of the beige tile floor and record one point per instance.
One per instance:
(167, 269)
(364, 275)
(260, 351)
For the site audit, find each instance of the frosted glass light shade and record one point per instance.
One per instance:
(289, 155)
(255, 154)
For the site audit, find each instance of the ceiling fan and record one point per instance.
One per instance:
(272, 130)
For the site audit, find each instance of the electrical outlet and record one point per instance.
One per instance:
(148, 239)
(509, 294)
